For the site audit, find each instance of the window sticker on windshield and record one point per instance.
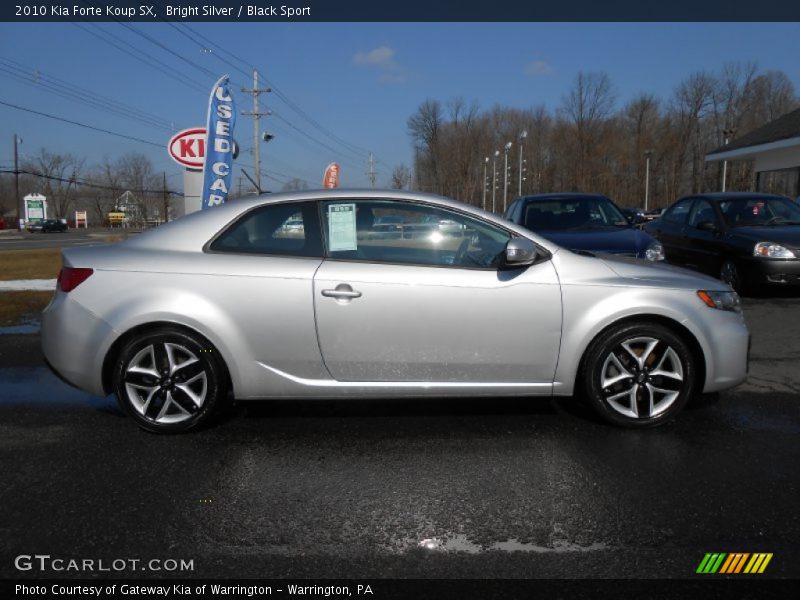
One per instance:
(342, 227)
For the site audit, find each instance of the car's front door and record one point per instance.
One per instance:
(430, 303)
(704, 233)
(670, 230)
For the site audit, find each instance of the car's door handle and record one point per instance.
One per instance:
(342, 291)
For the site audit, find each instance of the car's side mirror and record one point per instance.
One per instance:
(707, 226)
(520, 252)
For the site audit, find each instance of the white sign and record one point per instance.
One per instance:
(342, 227)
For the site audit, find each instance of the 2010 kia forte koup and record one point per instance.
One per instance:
(308, 295)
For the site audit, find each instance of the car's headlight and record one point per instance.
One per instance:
(721, 300)
(772, 250)
(655, 251)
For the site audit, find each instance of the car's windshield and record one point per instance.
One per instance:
(756, 211)
(573, 213)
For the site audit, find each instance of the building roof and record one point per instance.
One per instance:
(782, 128)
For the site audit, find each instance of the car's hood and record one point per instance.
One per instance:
(780, 234)
(626, 240)
(660, 274)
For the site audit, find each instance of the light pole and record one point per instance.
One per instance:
(17, 199)
(647, 155)
(485, 182)
(494, 178)
(728, 133)
(506, 148)
(522, 137)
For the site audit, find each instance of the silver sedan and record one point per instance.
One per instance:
(296, 296)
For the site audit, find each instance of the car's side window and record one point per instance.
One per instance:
(394, 231)
(286, 229)
(678, 212)
(702, 212)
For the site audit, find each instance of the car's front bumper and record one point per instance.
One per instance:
(770, 271)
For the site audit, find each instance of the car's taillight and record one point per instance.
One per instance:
(70, 277)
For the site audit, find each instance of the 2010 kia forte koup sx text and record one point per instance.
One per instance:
(311, 295)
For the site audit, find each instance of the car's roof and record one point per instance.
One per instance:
(720, 196)
(563, 196)
(186, 232)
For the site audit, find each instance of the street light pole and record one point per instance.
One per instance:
(647, 154)
(494, 179)
(507, 147)
(485, 166)
(17, 199)
(522, 137)
(728, 133)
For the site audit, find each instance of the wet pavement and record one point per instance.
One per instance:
(472, 488)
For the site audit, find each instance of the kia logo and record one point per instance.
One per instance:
(188, 147)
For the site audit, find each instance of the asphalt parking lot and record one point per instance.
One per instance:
(477, 488)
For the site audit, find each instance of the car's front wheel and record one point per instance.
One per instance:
(638, 374)
(169, 380)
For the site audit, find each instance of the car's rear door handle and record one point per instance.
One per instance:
(342, 291)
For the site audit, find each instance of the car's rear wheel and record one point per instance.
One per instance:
(638, 374)
(169, 380)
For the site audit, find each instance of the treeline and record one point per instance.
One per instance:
(70, 184)
(590, 143)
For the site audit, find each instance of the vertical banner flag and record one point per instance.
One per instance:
(331, 178)
(218, 168)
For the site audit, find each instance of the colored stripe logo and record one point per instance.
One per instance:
(734, 563)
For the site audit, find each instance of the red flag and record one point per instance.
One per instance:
(331, 178)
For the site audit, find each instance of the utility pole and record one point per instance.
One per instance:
(371, 173)
(17, 199)
(256, 128)
(166, 201)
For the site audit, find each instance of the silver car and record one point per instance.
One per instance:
(231, 303)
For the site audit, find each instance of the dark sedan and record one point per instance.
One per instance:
(53, 225)
(583, 223)
(744, 238)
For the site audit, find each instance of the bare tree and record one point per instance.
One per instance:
(294, 184)
(58, 174)
(401, 177)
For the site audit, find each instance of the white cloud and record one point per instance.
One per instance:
(382, 59)
(382, 56)
(538, 67)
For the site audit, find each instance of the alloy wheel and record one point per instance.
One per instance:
(642, 377)
(166, 383)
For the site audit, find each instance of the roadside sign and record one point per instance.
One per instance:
(188, 148)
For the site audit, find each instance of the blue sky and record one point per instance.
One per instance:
(360, 81)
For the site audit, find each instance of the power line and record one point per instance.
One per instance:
(79, 124)
(150, 61)
(359, 152)
(86, 98)
(85, 183)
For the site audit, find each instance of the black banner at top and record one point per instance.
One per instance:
(405, 10)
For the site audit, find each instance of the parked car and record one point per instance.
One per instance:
(636, 216)
(584, 223)
(53, 225)
(180, 318)
(745, 239)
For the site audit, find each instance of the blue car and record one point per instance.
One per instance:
(584, 223)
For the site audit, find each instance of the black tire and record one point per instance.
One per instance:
(730, 274)
(169, 402)
(654, 391)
